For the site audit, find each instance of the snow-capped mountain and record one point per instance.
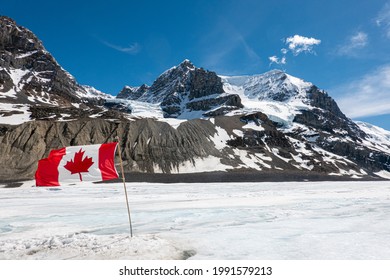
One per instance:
(185, 91)
(190, 120)
(32, 83)
(275, 107)
(274, 85)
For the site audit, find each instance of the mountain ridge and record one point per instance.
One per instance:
(189, 120)
(31, 78)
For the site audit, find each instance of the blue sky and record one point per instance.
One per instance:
(340, 46)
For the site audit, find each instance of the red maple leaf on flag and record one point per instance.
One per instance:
(78, 164)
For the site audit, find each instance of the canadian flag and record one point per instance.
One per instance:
(76, 164)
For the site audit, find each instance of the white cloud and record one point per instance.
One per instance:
(131, 49)
(367, 96)
(277, 60)
(298, 44)
(274, 59)
(355, 42)
(383, 19)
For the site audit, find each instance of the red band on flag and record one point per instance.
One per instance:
(106, 161)
(47, 172)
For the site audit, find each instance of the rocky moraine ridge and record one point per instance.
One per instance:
(189, 120)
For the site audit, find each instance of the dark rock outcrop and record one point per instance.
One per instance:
(132, 93)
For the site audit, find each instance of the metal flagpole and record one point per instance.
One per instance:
(124, 185)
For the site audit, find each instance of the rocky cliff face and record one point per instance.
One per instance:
(132, 93)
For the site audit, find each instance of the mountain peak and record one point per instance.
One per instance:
(31, 78)
(187, 63)
(7, 20)
(185, 88)
(275, 72)
(17, 39)
(281, 77)
(273, 85)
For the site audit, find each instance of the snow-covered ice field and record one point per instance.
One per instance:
(311, 220)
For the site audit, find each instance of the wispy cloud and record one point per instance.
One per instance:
(353, 43)
(250, 52)
(383, 19)
(133, 48)
(276, 60)
(222, 43)
(367, 96)
(300, 44)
